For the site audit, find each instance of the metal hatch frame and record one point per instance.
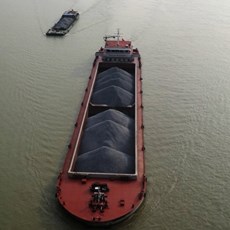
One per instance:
(74, 174)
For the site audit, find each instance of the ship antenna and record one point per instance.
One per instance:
(114, 36)
(118, 36)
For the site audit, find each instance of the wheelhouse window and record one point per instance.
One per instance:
(126, 51)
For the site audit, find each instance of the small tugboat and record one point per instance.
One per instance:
(103, 180)
(64, 24)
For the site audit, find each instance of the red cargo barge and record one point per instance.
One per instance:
(103, 178)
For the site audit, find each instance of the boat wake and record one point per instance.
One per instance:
(173, 173)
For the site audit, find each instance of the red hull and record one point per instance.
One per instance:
(125, 192)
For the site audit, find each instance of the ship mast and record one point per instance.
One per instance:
(118, 36)
(114, 36)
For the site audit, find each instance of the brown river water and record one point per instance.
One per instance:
(185, 48)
